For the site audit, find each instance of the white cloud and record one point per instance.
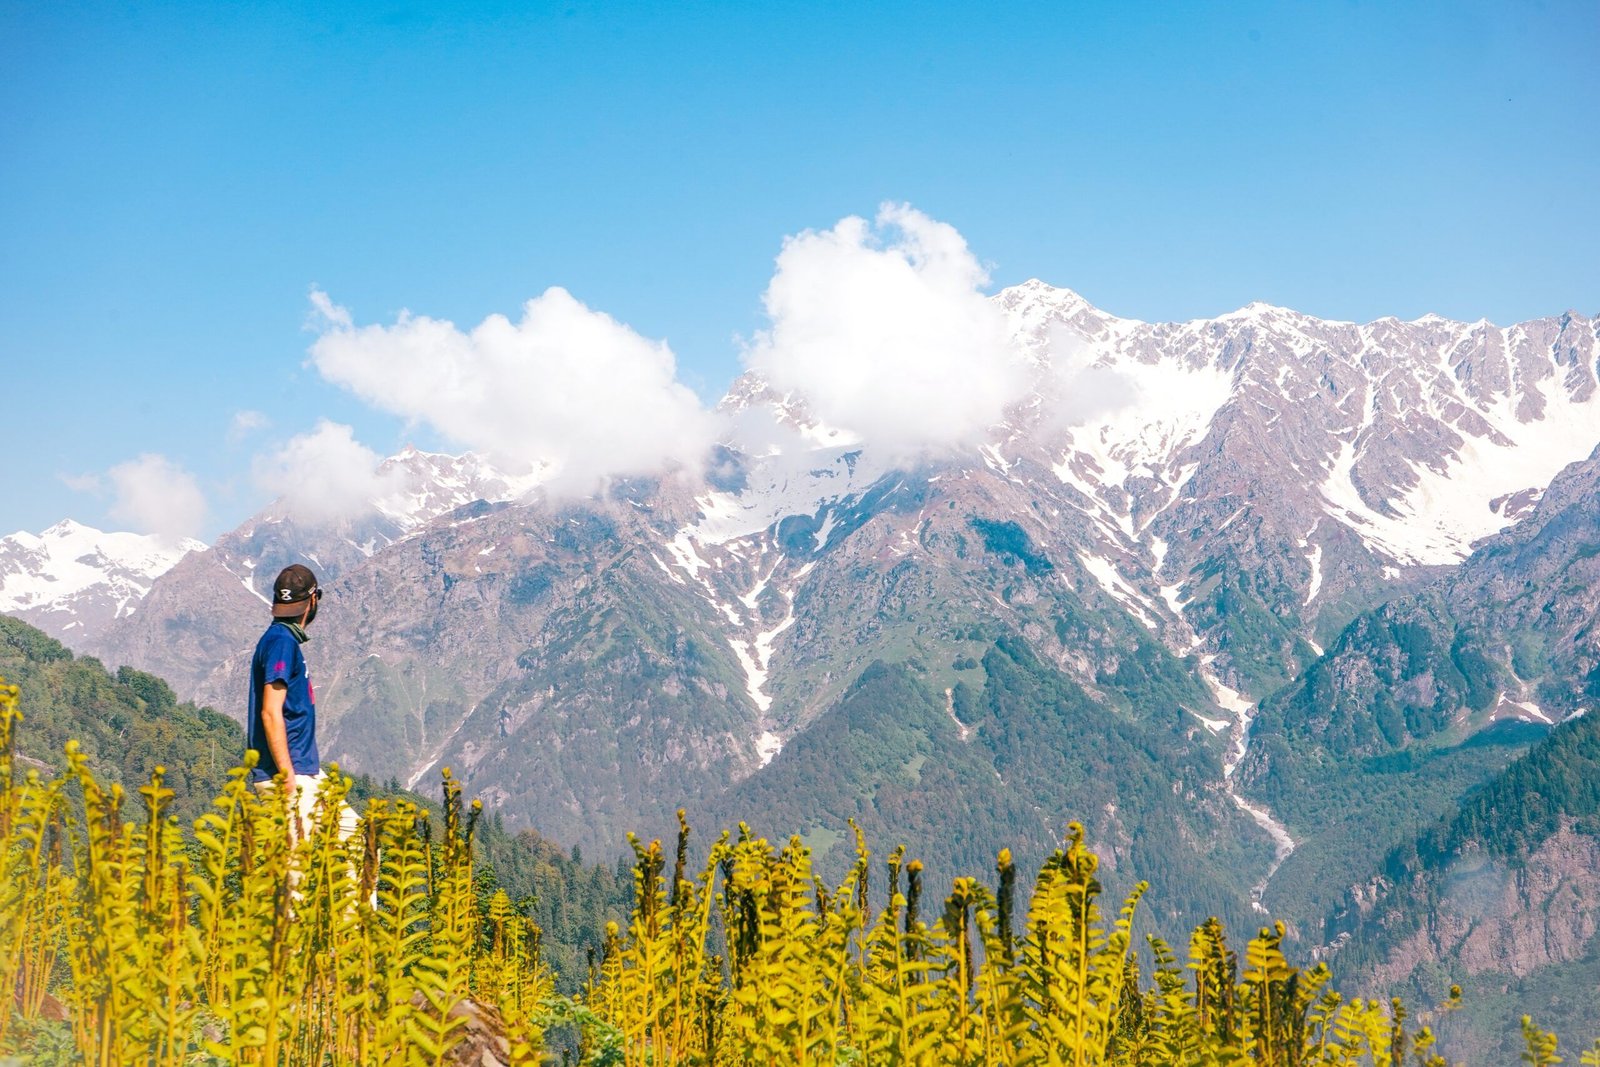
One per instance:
(245, 423)
(563, 384)
(84, 483)
(884, 330)
(1078, 391)
(151, 494)
(325, 475)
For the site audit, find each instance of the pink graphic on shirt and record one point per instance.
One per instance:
(278, 666)
(311, 691)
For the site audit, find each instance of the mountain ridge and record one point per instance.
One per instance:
(1176, 521)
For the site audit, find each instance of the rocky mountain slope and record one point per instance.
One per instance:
(1280, 472)
(1501, 896)
(207, 611)
(1419, 699)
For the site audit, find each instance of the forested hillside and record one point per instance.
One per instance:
(128, 724)
(1421, 699)
(1501, 896)
(1005, 761)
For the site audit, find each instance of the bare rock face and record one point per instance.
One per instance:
(1502, 919)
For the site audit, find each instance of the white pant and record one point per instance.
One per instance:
(303, 810)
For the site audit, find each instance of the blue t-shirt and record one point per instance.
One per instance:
(278, 659)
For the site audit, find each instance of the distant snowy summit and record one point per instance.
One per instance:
(1421, 437)
(418, 487)
(72, 580)
(1322, 457)
(73, 576)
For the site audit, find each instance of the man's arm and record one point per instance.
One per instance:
(272, 698)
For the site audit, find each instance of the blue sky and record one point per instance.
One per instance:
(175, 179)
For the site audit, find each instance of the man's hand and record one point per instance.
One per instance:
(272, 699)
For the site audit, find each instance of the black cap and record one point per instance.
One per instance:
(295, 585)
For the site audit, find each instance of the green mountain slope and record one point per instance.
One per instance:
(1502, 897)
(1421, 700)
(1008, 762)
(127, 724)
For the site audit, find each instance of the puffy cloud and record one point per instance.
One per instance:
(884, 330)
(152, 494)
(1079, 391)
(563, 384)
(245, 423)
(325, 475)
(85, 483)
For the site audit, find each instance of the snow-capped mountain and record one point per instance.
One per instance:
(1418, 436)
(73, 579)
(413, 489)
(421, 486)
(211, 602)
(1173, 523)
(1241, 486)
(1303, 468)
(1077, 617)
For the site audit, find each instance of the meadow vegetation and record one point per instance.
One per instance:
(130, 937)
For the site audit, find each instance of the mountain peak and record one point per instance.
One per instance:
(1258, 309)
(68, 528)
(71, 568)
(1058, 298)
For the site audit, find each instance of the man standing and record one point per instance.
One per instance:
(282, 724)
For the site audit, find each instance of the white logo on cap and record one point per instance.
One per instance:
(286, 594)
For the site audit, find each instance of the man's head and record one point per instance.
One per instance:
(295, 594)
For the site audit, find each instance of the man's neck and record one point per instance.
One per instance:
(295, 628)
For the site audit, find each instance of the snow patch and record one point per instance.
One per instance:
(1315, 559)
(962, 729)
(768, 745)
(824, 531)
(686, 555)
(1244, 717)
(1438, 519)
(438, 754)
(1118, 587)
(1230, 699)
(69, 559)
(1158, 549)
(1533, 712)
(1283, 846)
(756, 656)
